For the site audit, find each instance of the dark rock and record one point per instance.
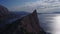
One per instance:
(4, 13)
(3, 10)
(26, 25)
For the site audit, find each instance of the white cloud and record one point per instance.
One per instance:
(40, 5)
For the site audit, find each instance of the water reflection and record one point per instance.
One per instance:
(56, 25)
(50, 23)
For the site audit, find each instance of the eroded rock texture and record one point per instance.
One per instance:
(26, 25)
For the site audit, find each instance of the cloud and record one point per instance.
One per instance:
(40, 5)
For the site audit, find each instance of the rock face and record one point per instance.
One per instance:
(3, 10)
(26, 25)
(30, 24)
(3, 13)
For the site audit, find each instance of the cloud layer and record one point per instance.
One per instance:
(40, 5)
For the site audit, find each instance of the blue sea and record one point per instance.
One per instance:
(50, 23)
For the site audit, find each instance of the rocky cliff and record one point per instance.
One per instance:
(26, 25)
(3, 10)
(5, 14)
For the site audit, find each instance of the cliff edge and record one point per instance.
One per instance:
(26, 25)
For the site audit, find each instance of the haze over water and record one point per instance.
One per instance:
(50, 23)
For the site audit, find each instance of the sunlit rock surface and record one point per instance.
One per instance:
(26, 25)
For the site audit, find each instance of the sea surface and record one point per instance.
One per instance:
(50, 23)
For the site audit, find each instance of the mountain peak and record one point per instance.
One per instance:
(3, 10)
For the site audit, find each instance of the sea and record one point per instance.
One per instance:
(50, 23)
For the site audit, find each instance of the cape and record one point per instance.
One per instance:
(28, 24)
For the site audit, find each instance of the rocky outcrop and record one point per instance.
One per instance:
(30, 24)
(3, 10)
(5, 15)
(26, 25)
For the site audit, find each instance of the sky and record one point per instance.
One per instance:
(42, 6)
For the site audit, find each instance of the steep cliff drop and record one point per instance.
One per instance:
(3, 10)
(3, 13)
(5, 17)
(26, 25)
(30, 24)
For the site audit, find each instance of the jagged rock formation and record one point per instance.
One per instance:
(26, 25)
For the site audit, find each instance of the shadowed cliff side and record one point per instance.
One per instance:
(30, 24)
(3, 10)
(3, 13)
(6, 14)
(26, 25)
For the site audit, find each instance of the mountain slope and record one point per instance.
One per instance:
(26, 25)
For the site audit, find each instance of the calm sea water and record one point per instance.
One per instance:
(50, 23)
